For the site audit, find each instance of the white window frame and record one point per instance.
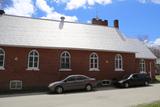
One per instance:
(94, 63)
(2, 67)
(33, 68)
(16, 83)
(65, 57)
(142, 66)
(119, 59)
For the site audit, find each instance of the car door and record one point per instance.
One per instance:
(70, 83)
(135, 80)
(80, 82)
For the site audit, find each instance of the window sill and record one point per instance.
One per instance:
(119, 69)
(65, 69)
(32, 69)
(2, 68)
(143, 72)
(95, 69)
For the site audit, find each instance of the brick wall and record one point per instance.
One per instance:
(50, 63)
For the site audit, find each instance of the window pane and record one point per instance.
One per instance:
(13, 84)
(19, 85)
(35, 64)
(1, 57)
(91, 65)
(36, 59)
(31, 53)
(67, 60)
(62, 65)
(62, 60)
(35, 53)
(91, 60)
(1, 52)
(95, 66)
(31, 64)
(30, 58)
(67, 65)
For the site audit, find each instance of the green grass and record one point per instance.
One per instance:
(153, 104)
(158, 77)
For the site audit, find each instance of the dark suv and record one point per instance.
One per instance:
(135, 79)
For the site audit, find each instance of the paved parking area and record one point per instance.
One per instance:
(104, 97)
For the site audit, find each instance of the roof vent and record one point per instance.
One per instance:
(61, 24)
(62, 18)
(2, 12)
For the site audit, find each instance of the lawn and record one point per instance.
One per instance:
(154, 104)
(158, 77)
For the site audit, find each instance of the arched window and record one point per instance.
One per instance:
(93, 62)
(33, 60)
(118, 62)
(142, 66)
(65, 60)
(2, 58)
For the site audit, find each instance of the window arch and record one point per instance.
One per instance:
(93, 62)
(2, 58)
(142, 66)
(33, 60)
(118, 62)
(65, 60)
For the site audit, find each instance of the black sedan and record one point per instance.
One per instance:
(135, 79)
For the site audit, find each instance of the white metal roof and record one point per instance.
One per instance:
(28, 32)
(142, 51)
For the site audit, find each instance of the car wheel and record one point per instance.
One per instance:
(88, 87)
(59, 90)
(146, 83)
(126, 85)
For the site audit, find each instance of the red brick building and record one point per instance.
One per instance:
(36, 52)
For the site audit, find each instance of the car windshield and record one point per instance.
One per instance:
(126, 76)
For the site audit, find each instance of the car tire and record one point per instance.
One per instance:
(146, 83)
(126, 85)
(59, 90)
(88, 87)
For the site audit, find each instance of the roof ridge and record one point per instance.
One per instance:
(56, 20)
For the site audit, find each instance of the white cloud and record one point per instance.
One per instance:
(56, 16)
(41, 4)
(156, 1)
(75, 4)
(154, 43)
(157, 41)
(26, 8)
(152, 1)
(51, 13)
(21, 8)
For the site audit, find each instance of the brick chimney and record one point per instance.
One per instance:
(97, 21)
(116, 24)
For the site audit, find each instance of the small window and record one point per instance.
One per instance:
(15, 85)
(65, 60)
(33, 60)
(94, 62)
(118, 62)
(142, 66)
(2, 59)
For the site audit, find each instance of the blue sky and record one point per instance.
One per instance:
(138, 18)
